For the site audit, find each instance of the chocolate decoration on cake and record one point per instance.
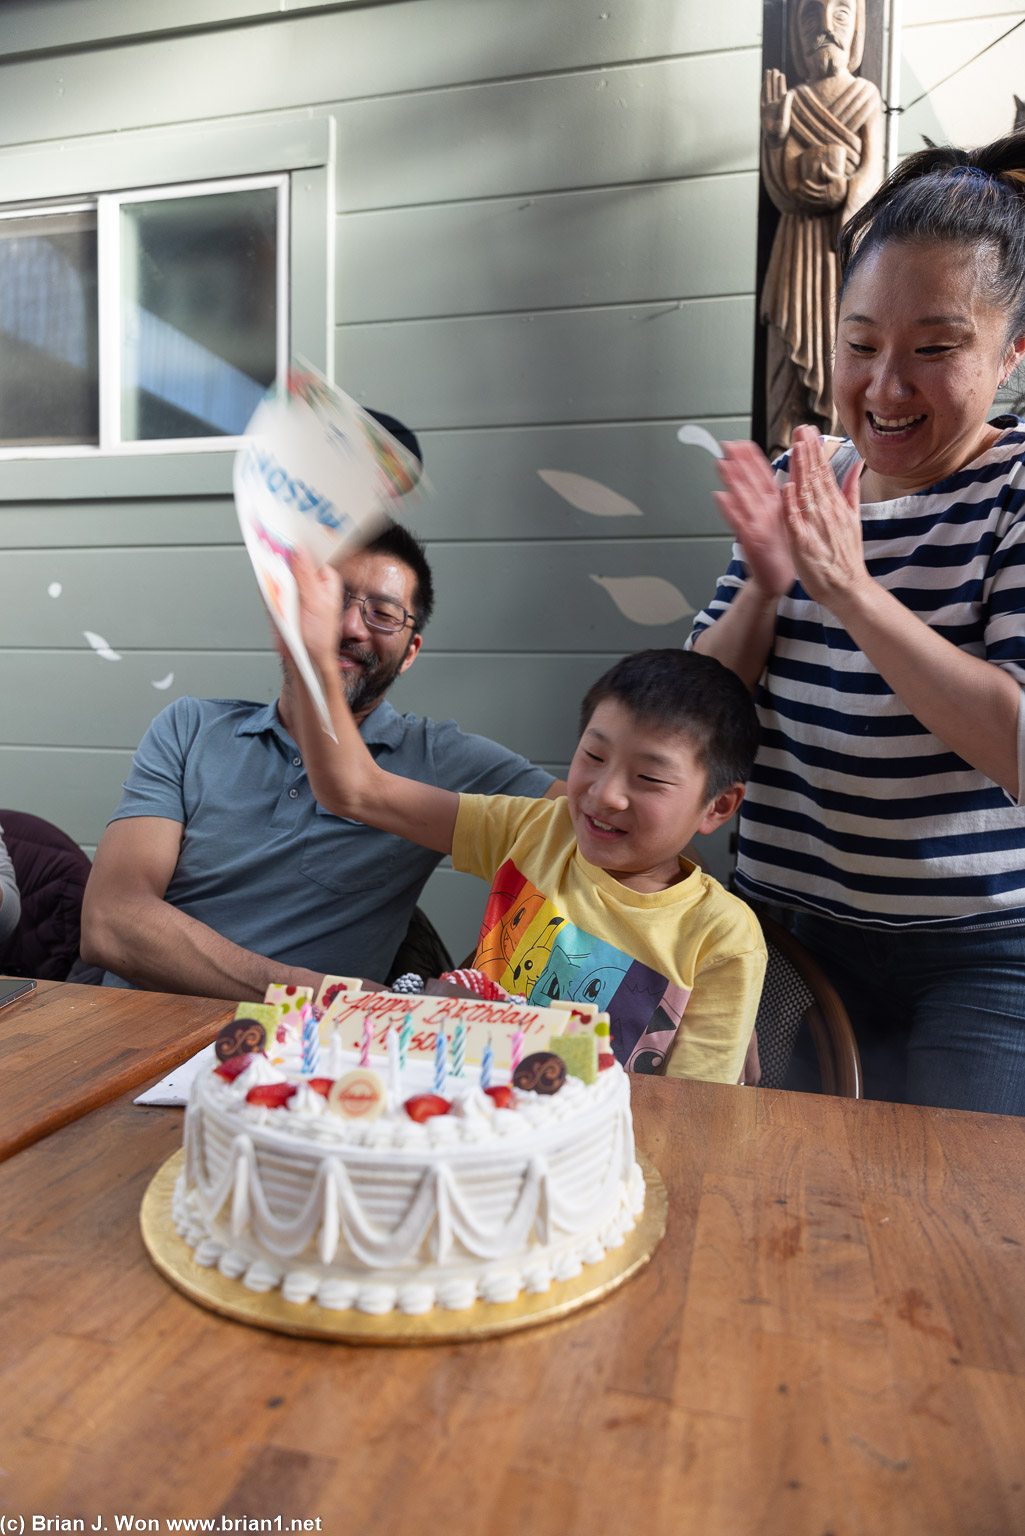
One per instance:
(242, 1037)
(540, 1072)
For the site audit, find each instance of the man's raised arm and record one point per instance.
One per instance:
(130, 929)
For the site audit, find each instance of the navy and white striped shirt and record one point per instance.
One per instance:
(854, 809)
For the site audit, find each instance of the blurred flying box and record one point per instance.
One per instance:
(317, 472)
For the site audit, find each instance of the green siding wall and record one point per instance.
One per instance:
(543, 260)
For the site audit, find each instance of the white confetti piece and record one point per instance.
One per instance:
(165, 682)
(100, 646)
(698, 437)
(54, 589)
(646, 599)
(589, 495)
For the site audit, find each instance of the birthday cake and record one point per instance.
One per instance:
(410, 1178)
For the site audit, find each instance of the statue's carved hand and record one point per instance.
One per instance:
(823, 175)
(775, 105)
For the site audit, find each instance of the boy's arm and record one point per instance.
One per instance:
(715, 1031)
(343, 775)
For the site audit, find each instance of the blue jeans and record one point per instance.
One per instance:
(939, 1017)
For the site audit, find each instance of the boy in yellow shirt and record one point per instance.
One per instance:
(590, 897)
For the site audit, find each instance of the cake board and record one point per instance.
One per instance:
(173, 1257)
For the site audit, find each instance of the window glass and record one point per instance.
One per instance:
(49, 385)
(198, 312)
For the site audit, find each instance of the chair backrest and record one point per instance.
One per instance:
(51, 872)
(796, 988)
(422, 950)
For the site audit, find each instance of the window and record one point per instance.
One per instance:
(140, 321)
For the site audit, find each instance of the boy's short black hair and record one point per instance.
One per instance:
(397, 541)
(694, 695)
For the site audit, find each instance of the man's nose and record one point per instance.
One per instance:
(354, 625)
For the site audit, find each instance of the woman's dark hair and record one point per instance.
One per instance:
(965, 197)
(691, 694)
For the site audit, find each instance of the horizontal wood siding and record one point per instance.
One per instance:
(575, 365)
(544, 223)
(657, 241)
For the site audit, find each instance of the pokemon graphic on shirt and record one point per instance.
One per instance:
(528, 947)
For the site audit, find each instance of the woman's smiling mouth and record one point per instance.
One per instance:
(892, 426)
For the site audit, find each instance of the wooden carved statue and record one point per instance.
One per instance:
(821, 159)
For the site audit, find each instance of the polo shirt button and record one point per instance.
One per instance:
(297, 762)
(293, 794)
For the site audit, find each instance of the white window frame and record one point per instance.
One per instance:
(107, 206)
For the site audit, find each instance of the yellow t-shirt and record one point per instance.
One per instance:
(678, 971)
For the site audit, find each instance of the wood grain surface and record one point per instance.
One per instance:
(64, 1050)
(829, 1340)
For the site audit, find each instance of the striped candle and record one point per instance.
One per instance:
(440, 1061)
(459, 1051)
(486, 1064)
(405, 1036)
(368, 1035)
(311, 1042)
(516, 1049)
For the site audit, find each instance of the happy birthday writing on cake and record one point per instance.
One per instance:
(427, 1016)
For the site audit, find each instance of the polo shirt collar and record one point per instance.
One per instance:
(261, 720)
(384, 726)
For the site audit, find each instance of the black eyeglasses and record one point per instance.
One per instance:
(380, 612)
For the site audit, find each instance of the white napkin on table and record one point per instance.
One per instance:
(174, 1088)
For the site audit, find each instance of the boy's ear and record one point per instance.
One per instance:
(721, 808)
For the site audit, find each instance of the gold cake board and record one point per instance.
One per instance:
(174, 1259)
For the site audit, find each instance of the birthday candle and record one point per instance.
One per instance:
(459, 1050)
(394, 1066)
(405, 1036)
(368, 1035)
(516, 1048)
(311, 1042)
(440, 1061)
(485, 1066)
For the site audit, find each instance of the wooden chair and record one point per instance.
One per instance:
(796, 988)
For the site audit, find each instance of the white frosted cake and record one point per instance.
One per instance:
(479, 1201)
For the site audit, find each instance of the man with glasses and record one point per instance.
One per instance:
(220, 872)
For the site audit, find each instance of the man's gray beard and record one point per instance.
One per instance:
(366, 686)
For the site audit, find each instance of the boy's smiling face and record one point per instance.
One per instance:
(637, 795)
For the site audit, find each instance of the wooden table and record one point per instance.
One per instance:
(66, 1049)
(831, 1338)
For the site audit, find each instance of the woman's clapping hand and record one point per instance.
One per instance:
(752, 505)
(810, 530)
(823, 523)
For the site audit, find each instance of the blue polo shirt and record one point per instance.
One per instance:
(267, 867)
